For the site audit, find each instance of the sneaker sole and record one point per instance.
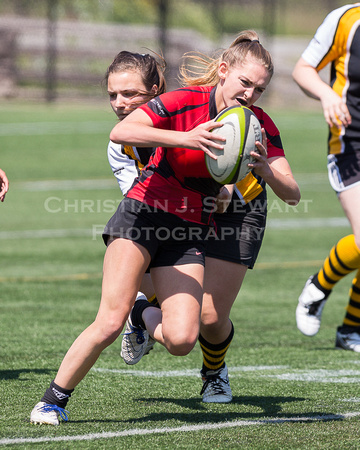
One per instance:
(213, 400)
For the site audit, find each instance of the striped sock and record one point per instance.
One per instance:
(214, 354)
(352, 317)
(343, 258)
(154, 301)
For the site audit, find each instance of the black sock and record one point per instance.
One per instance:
(56, 395)
(136, 313)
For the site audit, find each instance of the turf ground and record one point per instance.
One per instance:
(289, 391)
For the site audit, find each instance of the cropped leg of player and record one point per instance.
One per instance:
(125, 263)
(176, 324)
(343, 259)
(136, 341)
(348, 334)
(216, 329)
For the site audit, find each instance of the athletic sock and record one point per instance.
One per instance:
(315, 281)
(56, 395)
(352, 317)
(136, 313)
(214, 354)
(343, 258)
(154, 301)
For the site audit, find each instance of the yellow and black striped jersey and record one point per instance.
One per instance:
(337, 42)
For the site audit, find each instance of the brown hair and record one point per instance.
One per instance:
(151, 69)
(202, 70)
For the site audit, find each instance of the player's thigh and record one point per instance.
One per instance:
(222, 282)
(124, 265)
(350, 202)
(179, 290)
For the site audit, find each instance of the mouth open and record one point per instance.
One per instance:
(241, 101)
(121, 115)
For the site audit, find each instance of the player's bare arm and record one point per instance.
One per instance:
(137, 129)
(336, 112)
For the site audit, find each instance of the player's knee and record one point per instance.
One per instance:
(213, 322)
(182, 349)
(181, 345)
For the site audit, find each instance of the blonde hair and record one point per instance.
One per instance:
(202, 70)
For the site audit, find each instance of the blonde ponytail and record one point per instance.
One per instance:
(202, 70)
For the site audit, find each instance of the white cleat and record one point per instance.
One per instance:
(135, 343)
(309, 308)
(216, 386)
(150, 345)
(348, 338)
(43, 413)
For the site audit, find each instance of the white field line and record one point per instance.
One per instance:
(277, 224)
(65, 185)
(305, 180)
(182, 429)
(292, 224)
(183, 373)
(41, 234)
(86, 276)
(320, 376)
(60, 128)
(345, 376)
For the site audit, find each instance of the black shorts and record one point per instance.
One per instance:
(170, 240)
(239, 232)
(344, 171)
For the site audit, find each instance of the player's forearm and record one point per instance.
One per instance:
(285, 187)
(280, 178)
(141, 135)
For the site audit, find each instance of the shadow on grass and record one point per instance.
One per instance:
(271, 412)
(268, 407)
(15, 374)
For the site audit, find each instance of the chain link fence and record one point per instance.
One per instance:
(60, 49)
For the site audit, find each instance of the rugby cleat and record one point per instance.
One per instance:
(150, 345)
(44, 413)
(135, 343)
(348, 338)
(216, 386)
(309, 309)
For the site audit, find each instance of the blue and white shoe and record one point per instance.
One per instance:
(48, 414)
(135, 343)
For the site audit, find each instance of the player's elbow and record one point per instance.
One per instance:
(295, 75)
(117, 135)
(294, 199)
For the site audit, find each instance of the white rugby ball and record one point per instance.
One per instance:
(241, 128)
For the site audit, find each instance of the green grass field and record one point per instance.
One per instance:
(289, 391)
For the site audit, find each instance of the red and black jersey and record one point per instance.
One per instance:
(176, 179)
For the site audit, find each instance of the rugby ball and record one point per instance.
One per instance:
(241, 128)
